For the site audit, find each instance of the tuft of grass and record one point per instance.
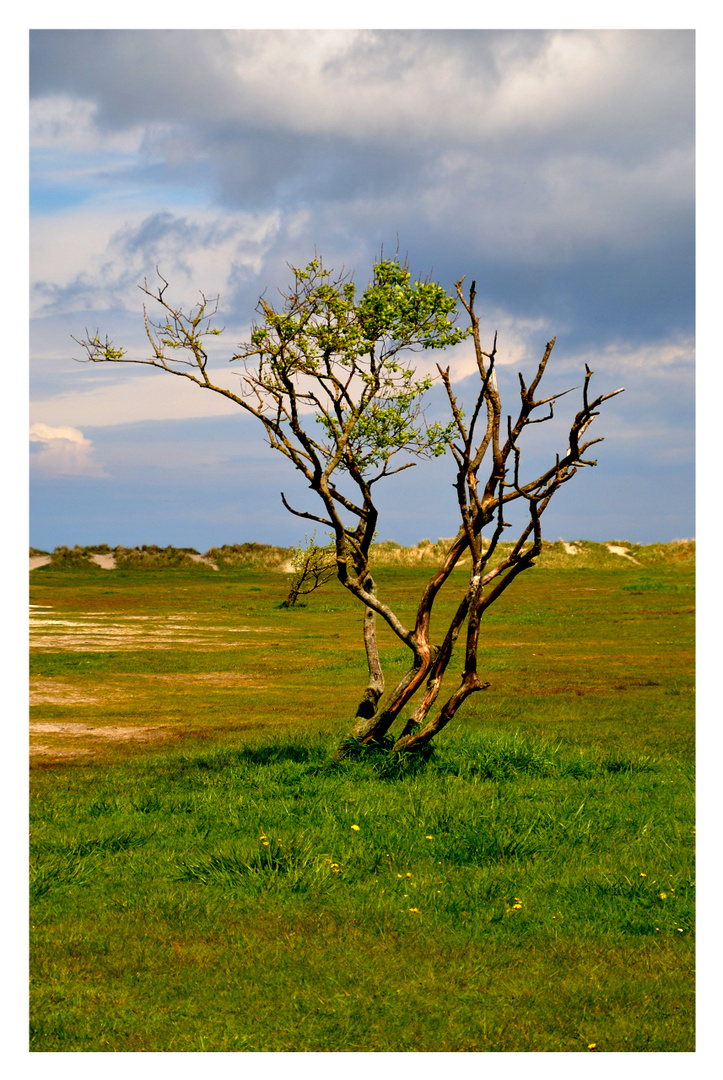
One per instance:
(76, 558)
(151, 557)
(251, 556)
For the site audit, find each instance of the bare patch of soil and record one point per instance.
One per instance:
(203, 559)
(99, 631)
(615, 549)
(209, 678)
(105, 562)
(56, 692)
(137, 731)
(109, 733)
(41, 750)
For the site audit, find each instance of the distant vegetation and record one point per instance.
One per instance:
(581, 554)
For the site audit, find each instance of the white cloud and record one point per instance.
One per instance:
(91, 259)
(63, 451)
(358, 84)
(144, 396)
(67, 123)
(650, 356)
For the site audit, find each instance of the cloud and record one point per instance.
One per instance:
(566, 172)
(205, 250)
(554, 167)
(357, 84)
(144, 395)
(62, 451)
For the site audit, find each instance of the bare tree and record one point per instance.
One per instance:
(329, 376)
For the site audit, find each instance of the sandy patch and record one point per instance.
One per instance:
(102, 631)
(48, 691)
(57, 692)
(108, 562)
(41, 750)
(571, 549)
(615, 549)
(105, 562)
(210, 678)
(203, 559)
(137, 733)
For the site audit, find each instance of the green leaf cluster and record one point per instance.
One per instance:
(346, 357)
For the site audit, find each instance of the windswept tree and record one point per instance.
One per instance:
(330, 376)
(313, 567)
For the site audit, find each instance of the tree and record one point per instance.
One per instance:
(313, 567)
(328, 374)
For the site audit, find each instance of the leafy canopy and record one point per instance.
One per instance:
(346, 358)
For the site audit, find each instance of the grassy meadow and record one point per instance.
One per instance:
(204, 879)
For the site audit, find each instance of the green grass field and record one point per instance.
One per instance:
(203, 879)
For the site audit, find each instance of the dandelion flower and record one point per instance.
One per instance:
(592, 1046)
(663, 896)
(414, 911)
(356, 828)
(642, 874)
(429, 838)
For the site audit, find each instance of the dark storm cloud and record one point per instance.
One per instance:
(133, 76)
(555, 166)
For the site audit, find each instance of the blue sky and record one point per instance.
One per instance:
(554, 167)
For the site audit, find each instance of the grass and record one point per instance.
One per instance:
(222, 887)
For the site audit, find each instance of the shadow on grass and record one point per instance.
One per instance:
(495, 758)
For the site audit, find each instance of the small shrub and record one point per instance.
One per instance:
(65, 558)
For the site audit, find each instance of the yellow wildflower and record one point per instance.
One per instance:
(663, 896)
(414, 911)
(356, 828)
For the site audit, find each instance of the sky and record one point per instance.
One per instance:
(553, 167)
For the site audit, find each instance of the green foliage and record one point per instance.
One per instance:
(353, 350)
(313, 566)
